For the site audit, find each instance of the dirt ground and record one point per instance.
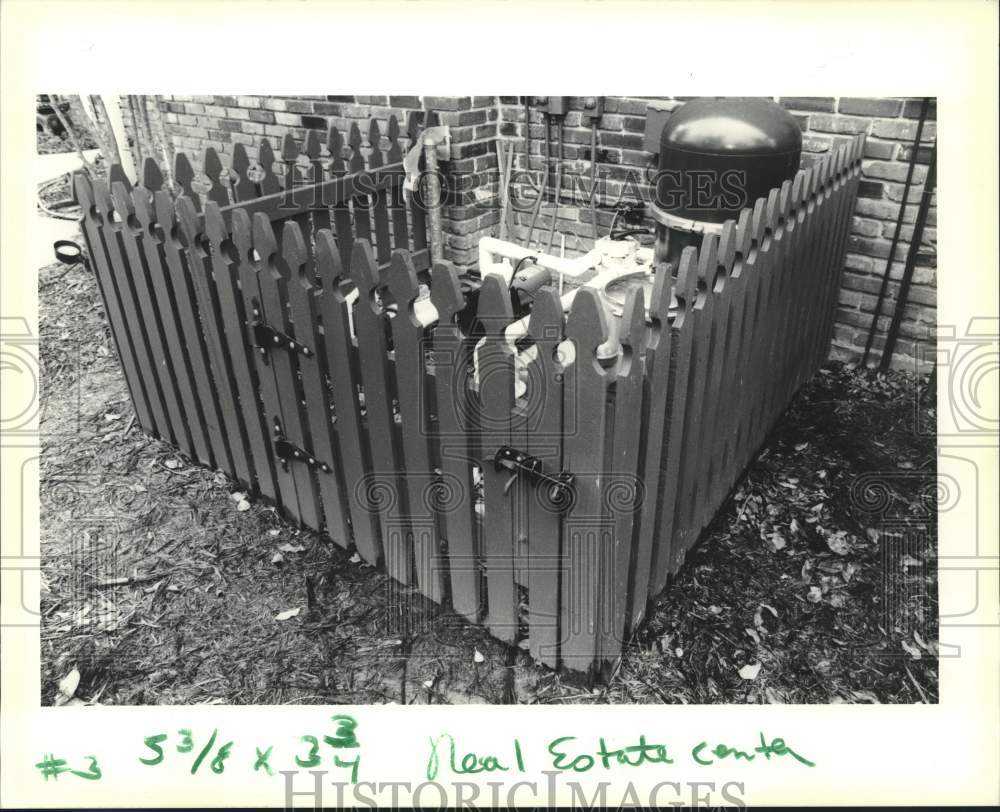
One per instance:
(161, 585)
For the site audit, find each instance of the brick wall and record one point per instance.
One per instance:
(471, 210)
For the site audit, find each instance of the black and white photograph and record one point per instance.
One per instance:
(380, 430)
(488, 399)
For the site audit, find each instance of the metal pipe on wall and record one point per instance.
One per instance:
(433, 198)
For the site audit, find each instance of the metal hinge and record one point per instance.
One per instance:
(560, 491)
(266, 337)
(287, 452)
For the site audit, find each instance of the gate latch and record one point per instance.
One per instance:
(560, 492)
(267, 338)
(287, 452)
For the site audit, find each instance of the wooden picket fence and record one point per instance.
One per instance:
(289, 346)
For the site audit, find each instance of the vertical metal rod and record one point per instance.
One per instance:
(911, 261)
(433, 198)
(895, 237)
(593, 178)
(558, 187)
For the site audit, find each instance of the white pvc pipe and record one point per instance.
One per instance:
(491, 247)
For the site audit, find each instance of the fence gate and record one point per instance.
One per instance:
(291, 332)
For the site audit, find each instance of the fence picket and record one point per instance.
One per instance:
(587, 528)
(541, 438)
(380, 199)
(496, 399)
(341, 365)
(151, 240)
(244, 189)
(290, 423)
(183, 177)
(318, 436)
(114, 300)
(341, 212)
(397, 201)
(360, 202)
(218, 193)
(452, 364)
(223, 260)
(410, 346)
(385, 492)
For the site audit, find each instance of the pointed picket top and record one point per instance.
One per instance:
(183, 176)
(331, 269)
(187, 218)
(244, 188)
(708, 265)
(312, 149)
(364, 272)
(216, 171)
(295, 256)
(269, 185)
(587, 327)
(163, 204)
(633, 327)
(122, 196)
(117, 175)
(744, 240)
(395, 154)
(215, 225)
(402, 283)
(785, 200)
(687, 280)
(800, 189)
(83, 195)
(357, 162)
(264, 241)
(413, 122)
(546, 323)
(659, 300)
(759, 221)
(290, 149)
(495, 310)
(242, 233)
(772, 211)
(335, 146)
(375, 142)
(859, 146)
(152, 175)
(807, 186)
(446, 292)
(727, 247)
(142, 205)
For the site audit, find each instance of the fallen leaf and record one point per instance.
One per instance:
(849, 571)
(291, 548)
(288, 613)
(837, 600)
(274, 532)
(355, 559)
(478, 657)
(753, 635)
(750, 671)
(679, 652)
(793, 526)
(69, 683)
(172, 464)
(873, 535)
(815, 594)
(909, 561)
(428, 684)
(715, 610)
(238, 496)
(906, 465)
(244, 505)
(910, 649)
(801, 446)
(776, 542)
(837, 542)
(112, 417)
(277, 558)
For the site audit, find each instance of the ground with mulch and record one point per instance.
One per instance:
(164, 584)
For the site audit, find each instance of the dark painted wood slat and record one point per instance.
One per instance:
(380, 199)
(224, 261)
(452, 370)
(341, 365)
(681, 338)
(91, 226)
(496, 400)
(588, 528)
(360, 200)
(245, 189)
(397, 200)
(111, 231)
(412, 388)
(385, 489)
(701, 358)
(196, 245)
(343, 230)
(655, 426)
(318, 206)
(183, 177)
(622, 492)
(152, 176)
(305, 329)
(415, 203)
(198, 356)
(300, 164)
(541, 437)
(270, 186)
(218, 192)
(273, 281)
(151, 239)
(250, 267)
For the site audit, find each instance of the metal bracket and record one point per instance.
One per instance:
(287, 452)
(561, 491)
(267, 338)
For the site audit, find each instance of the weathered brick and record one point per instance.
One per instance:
(447, 103)
(870, 188)
(838, 124)
(231, 125)
(262, 116)
(872, 247)
(894, 171)
(818, 104)
(882, 150)
(866, 228)
(913, 106)
(902, 129)
(296, 106)
(288, 119)
(870, 107)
